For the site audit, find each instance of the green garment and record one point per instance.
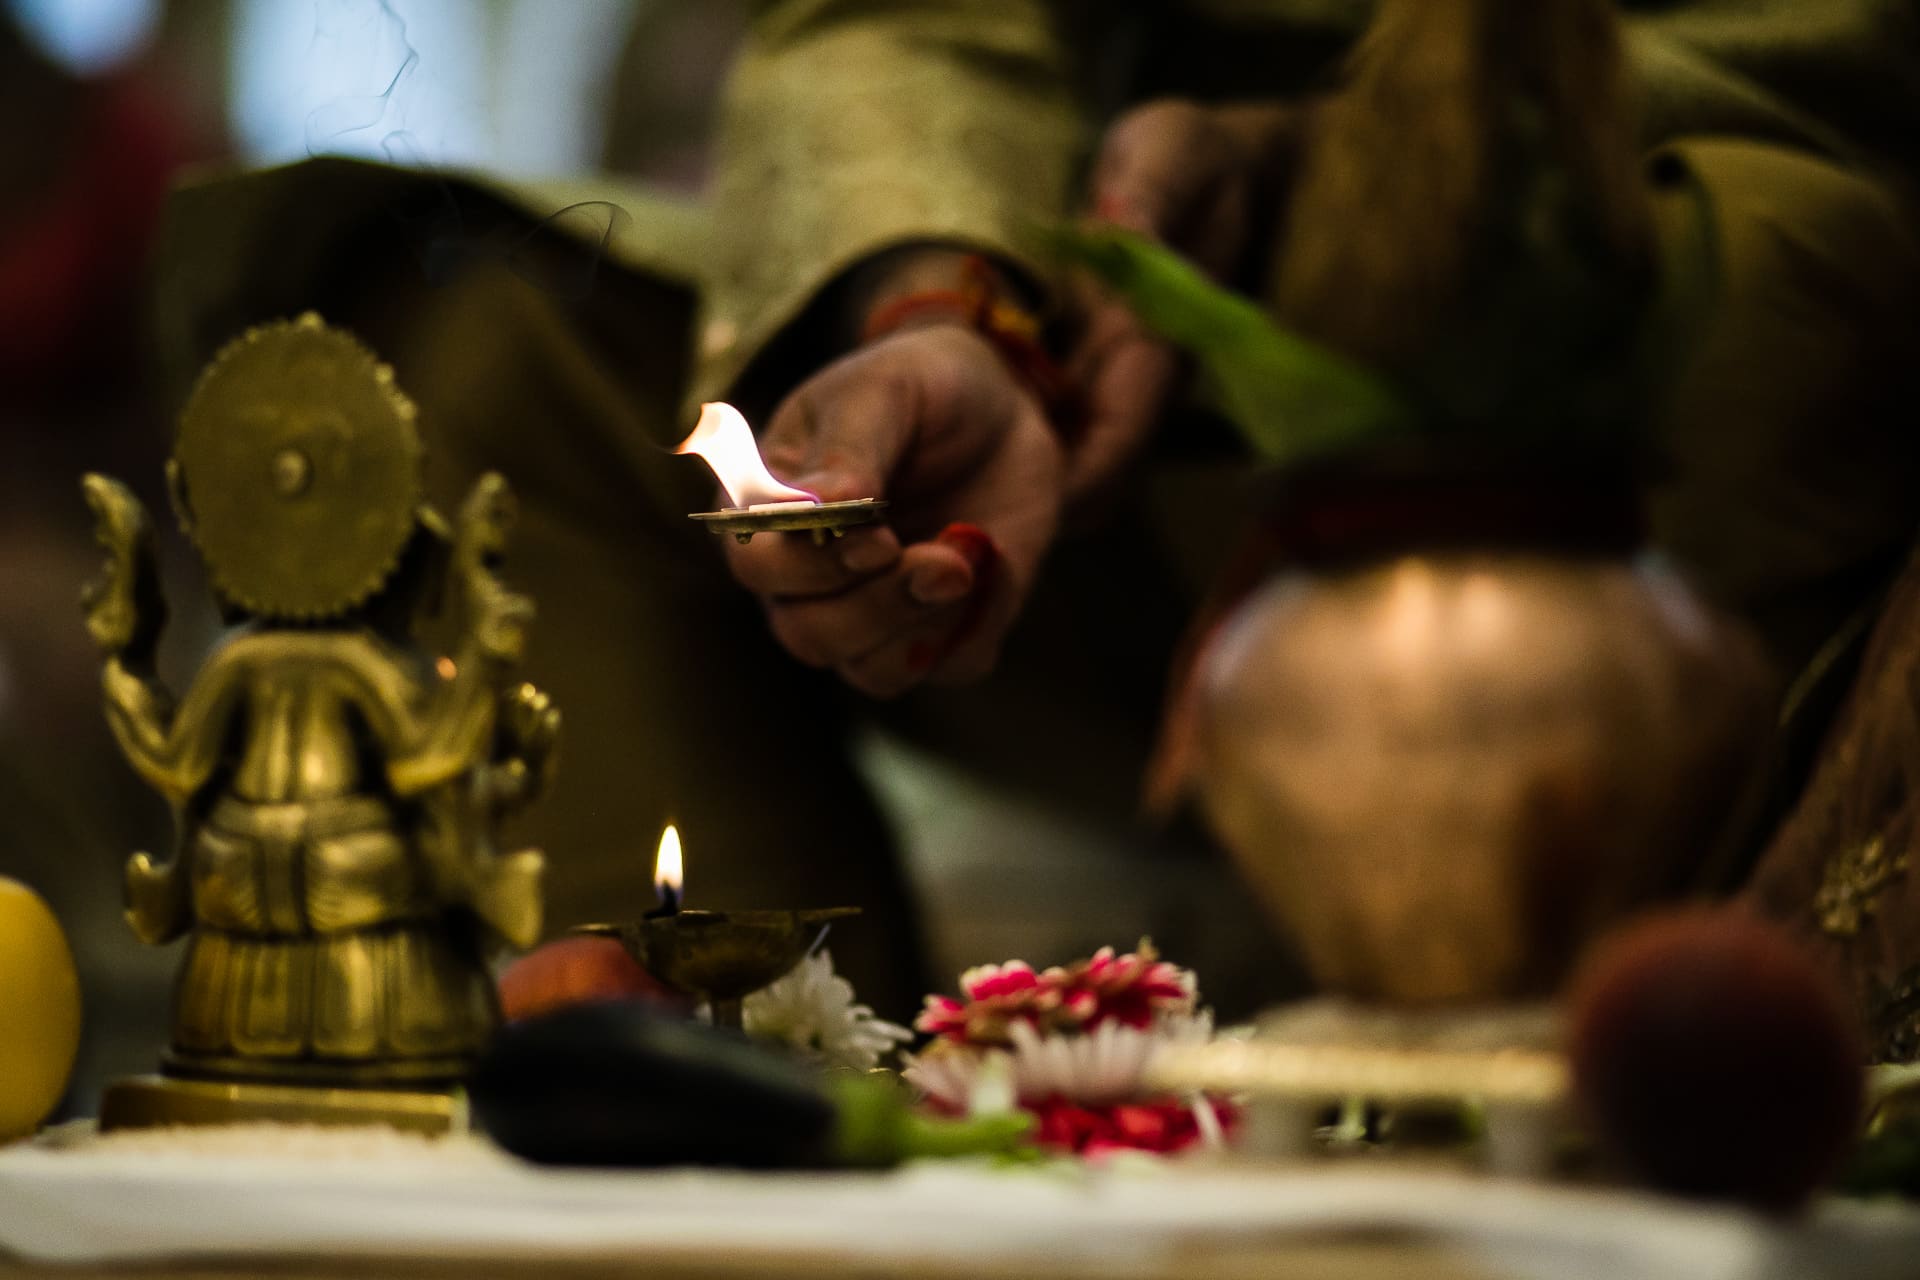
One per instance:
(855, 125)
(560, 354)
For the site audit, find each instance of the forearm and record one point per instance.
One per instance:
(140, 712)
(852, 129)
(451, 734)
(918, 268)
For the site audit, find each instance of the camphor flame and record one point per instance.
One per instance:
(667, 872)
(724, 439)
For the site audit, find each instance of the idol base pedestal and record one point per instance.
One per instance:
(154, 1101)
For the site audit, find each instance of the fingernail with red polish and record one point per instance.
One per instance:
(1122, 212)
(1114, 207)
(971, 541)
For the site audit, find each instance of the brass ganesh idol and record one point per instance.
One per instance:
(338, 789)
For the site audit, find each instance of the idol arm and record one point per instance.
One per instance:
(452, 731)
(174, 750)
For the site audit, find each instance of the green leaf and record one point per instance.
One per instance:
(878, 1126)
(1289, 396)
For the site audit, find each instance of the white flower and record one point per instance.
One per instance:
(1100, 1067)
(811, 1009)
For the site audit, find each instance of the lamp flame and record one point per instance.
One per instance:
(667, 872)
(723, 438)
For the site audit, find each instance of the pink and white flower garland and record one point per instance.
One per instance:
(1071, 1045)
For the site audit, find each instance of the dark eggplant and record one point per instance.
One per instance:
(619, 1083)
(613, 1083)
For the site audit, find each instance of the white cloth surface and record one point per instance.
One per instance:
(100, 1204)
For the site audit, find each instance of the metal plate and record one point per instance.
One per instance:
(822, 520)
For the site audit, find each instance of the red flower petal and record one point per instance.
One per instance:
(943, 1016)
(991, 981)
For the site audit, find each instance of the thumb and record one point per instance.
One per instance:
(1126, 375)
(1148, 173)
(842, 434)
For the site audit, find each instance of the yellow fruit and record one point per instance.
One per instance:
(39, 1010)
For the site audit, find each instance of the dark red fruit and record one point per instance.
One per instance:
(1715, 1059)
(572, 971)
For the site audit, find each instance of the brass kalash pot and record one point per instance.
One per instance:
(1463, 723)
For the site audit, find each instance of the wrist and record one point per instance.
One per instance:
(970, 292)
(924, 269)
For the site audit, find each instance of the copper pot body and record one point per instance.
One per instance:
(1445, 773)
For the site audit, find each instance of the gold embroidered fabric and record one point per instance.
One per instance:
(1850, 890)
(1837, 871)
(1895, 1018)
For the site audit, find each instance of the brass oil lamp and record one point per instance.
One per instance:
(762, 504)
(717, 957)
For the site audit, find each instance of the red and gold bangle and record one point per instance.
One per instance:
(980, 303)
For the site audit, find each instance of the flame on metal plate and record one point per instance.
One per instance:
(724, 439)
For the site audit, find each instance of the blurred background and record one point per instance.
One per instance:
(102, 104)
